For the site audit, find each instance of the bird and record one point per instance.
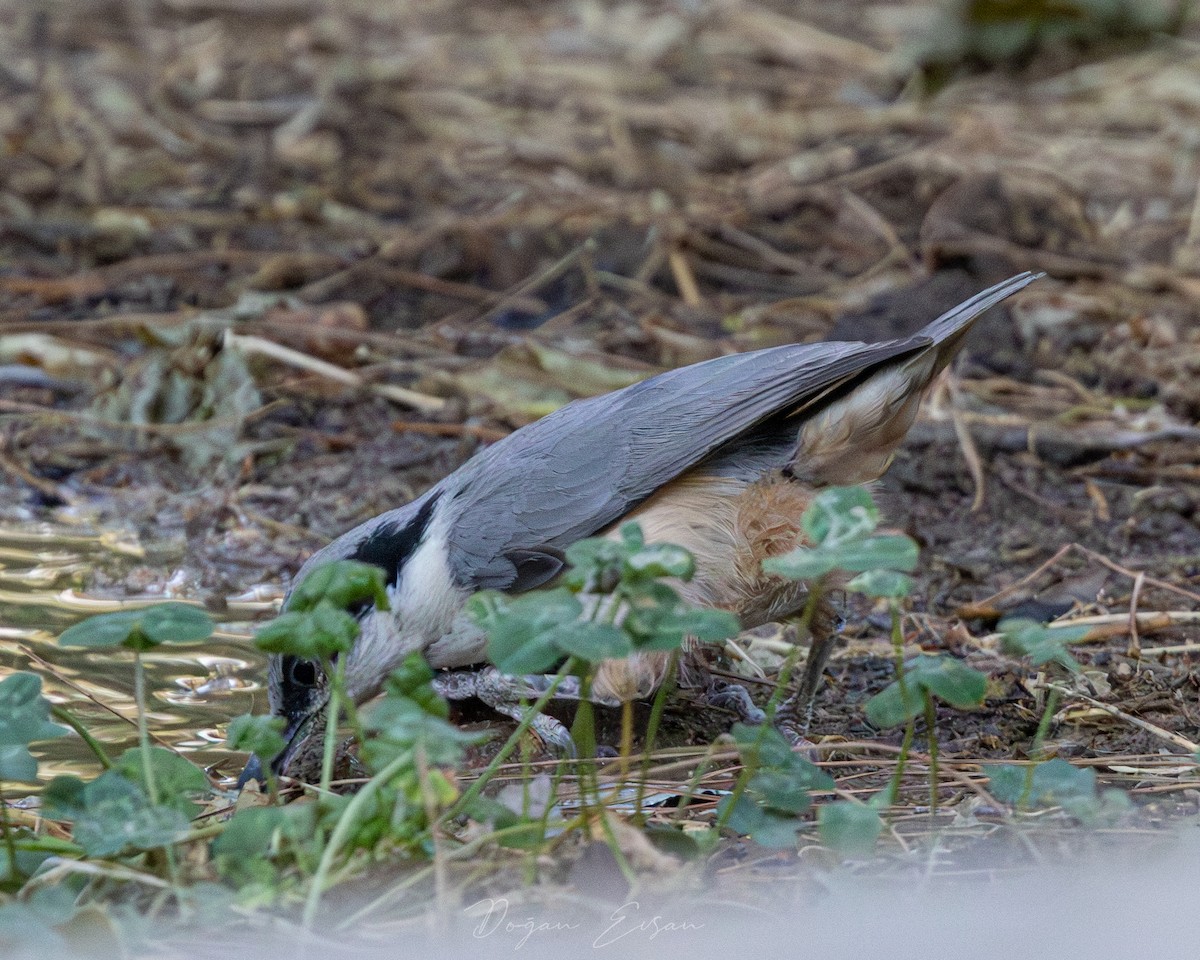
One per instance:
(720, 457)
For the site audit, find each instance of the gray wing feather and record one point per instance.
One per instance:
(578, 470)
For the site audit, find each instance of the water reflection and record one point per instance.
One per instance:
(192, 692)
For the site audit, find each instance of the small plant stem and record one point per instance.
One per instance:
(583, 732)
(352, 718)
(816, 590)
(750, 757)
(666, 688)
(689, 791)
(893, 788)
(9, 841)
(429, 798)
(1037, 751)
(626, 741)
(1039, 738)
(898, 652)
(931, 734)
(63, 714)
(511, 744)
(139, 696)
(333, 712)
(901, 679)
(341, 832)
(530, 863)
(548, 806)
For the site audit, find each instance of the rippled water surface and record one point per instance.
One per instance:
(191, 690)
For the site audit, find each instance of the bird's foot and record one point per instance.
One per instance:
(728, 695)
(510, 696)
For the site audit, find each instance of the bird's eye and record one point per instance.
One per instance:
(303, 673)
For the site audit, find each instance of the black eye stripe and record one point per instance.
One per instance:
(303, 673)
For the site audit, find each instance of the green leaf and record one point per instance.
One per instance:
(595, 565)
(883, 584)
(111, 815)
(706, 624)
(782, 790)
(334, 628)
(104, 630)
(631, 536)
(413, 674)
(685, 844)
(62, 798)
(593, 642)
(521, 630)
(950, 680)
(250, 832)
(317, 634)
(399, 728)
(839, 514)
(175, 777)
(24, 712)
(341, 584)
(176, 623)
(258, 734)
(849, 828)
(658, 619)
(890, 552)
(802, 563)
(141, 629)
(765, 827)
(544, 609)
(891, 708)
(412, 716)
(661, 560)
(600, 564)
(413, 680)
(515, 651)
(280, 635)
(1027, 638)
(24, 718)
(1053, 783)
(256, 834)
(17, 763)
(764, 745)
(783, 778)
(839, 524)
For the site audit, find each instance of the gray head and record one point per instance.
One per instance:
(298, 689)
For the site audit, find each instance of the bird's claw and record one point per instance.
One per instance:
(733, 696)
(509, 696)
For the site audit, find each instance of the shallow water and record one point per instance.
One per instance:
(192, 691)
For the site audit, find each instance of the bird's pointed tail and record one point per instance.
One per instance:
(948, 330)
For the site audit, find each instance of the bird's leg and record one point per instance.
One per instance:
(823, 629)
(506, 694)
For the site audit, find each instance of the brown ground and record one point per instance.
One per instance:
(500, 207)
